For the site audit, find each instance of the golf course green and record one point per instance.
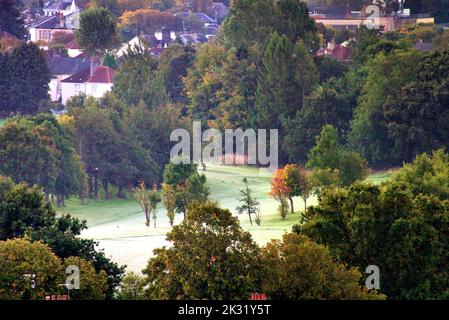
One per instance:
(119, 224)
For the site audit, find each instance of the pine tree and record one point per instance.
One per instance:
(29, 73)
(249, 204)
(286, 76)
(10, 20)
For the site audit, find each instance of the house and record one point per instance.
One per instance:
(61, 68)
(73, 48)
(57, 7)
(340, 18)
(156, 42)
(57, 20)
(341, 52)
(94, 81)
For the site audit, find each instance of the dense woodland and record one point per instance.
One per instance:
(387, 108)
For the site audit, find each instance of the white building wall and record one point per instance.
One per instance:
(69, 89)
(97, 90)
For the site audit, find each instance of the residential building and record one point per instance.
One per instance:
(340, 18)
(94, 81)
(61, 19)
(61, 68)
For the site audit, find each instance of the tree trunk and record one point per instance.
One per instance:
(106, 189)
(89, 187)
(120, 192)
(47, 197)
(292, 210)
(96, 188)
(305, 205)
(147, 217)
(250, 220)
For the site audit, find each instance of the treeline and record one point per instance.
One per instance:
(33, 240)
(24, 79)
(267, 77)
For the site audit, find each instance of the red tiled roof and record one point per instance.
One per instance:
(79, 77)
(73, 45)
(102, 74)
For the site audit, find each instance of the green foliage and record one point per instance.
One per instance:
(326, 154)
(132, 288)
(221, 87)
(173, 65)
(405, 235)
(11, 20)
(19, 260)
(93, 285)
(299, 269)
(22, 208)
(98, 31)
(416, 117)
(283, 208)
(24, 79)
(333, 161)
(286, 76)
(253, 21)
(331, 103)
(136, 80)
(211, 257)
(250, 205)
(187, 183)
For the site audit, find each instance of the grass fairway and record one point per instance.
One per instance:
(118, 224)
(2, 122)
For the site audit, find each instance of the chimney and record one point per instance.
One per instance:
(331, 45)
(61, 20)
(94, 64)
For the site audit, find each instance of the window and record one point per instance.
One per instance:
(94, 89)
(77, 88)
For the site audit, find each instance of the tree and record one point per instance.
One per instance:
(211, 257)
(173, 64)
(387, 73)
(132, 288)
(387, 226)
(297, 268)
(93, 285)
(249, 205)
(25, 78)
(11, 20)
(221, 86)
(28, 270)
(286, 76)
(298, 182)
(258, 19)
(98, 31)
(22, 208)
(331, 103)
(148, 21)
(148, 201)
(416, 118)
(136, 80)
(280, 191)
(188, 184)
(169, 200)
(334, 162)
(326, 154)
(24, 213)
(28, 153)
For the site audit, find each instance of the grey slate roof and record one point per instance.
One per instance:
(64, 65)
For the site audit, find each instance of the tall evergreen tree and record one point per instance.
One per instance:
(29, 78)
(285, 78)
(10, 20)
